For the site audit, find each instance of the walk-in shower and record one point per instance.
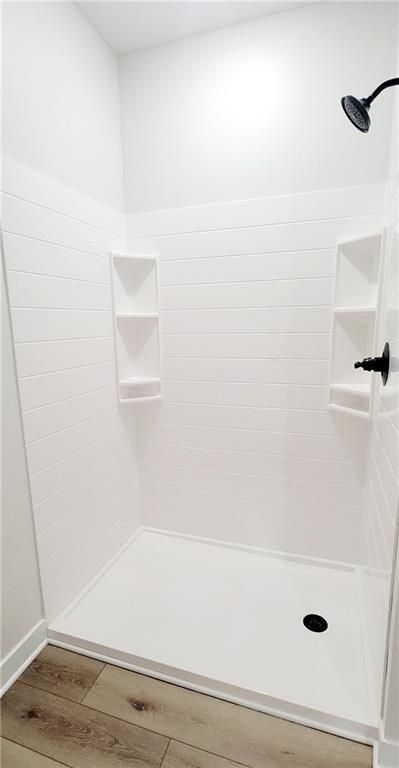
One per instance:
(195, 262)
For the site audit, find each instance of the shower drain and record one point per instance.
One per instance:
(315, 623)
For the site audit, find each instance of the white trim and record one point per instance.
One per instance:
(250, 699)
(22, 655)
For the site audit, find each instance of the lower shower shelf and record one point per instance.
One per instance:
(228, 621)
(140, 389)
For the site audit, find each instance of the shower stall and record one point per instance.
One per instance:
(195, 259)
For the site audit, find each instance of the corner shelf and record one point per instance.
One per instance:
(358, 268)
(134, 280)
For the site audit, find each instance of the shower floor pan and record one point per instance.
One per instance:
(228, 621)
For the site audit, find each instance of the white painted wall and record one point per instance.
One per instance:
(61, 99)
(21, 606)
(253, 110)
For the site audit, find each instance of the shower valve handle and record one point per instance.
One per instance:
(370, 364)
(378, 364)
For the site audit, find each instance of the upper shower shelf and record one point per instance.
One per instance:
(354, 324)
(136, 327)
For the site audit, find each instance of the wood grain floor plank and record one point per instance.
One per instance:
(75, 735)
(180, 755)
(239, 734)
(62, 672)
(15, 756)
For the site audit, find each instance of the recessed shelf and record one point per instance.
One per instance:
(354, 324)
(352, 389)
(139, 387)
(357, 312)
(145, 399)
(136, 327)
(136, 315)
(137, 257)
(349, 411)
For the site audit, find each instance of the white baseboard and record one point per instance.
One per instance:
(385, 755)
(22, 655)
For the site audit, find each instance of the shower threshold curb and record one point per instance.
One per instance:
(261, 702)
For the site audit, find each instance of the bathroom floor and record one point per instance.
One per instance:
(230, 621)
(69, 710)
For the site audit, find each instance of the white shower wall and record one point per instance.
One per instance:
(81, 461)
(244, 448)
(61, 216)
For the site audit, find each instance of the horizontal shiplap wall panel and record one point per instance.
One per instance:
(57, 324)
(49, 356)
(382, 487)
(296, 265)
(310, 530)
(82, 466)
(57, 476)
(255, 345)
(241, 417)
(260, 320)
(75, 494)
(281, 395)
(51, 540)
(238, 462)
(22, 181)
(74, 549)
(40, 258)
(273, 293)
(50, 419)
(271, 488)
(325, 447)
(26, 218)
(246, 293)
(39, 291)
(323, 204)
(37, 391)
(256, 371)
(381, 494)
(50, 450)
(280, 238)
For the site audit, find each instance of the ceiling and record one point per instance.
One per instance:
(131, 26)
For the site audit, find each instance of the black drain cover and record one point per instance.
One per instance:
(315, 623)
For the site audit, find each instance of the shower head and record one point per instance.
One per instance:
(357, 110)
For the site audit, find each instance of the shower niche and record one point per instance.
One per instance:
(136, 327)
(355, 316)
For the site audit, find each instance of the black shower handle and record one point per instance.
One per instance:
(378, 364)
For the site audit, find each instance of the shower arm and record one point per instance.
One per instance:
(380, 88)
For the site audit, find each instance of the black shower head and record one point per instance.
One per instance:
(357, 111)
